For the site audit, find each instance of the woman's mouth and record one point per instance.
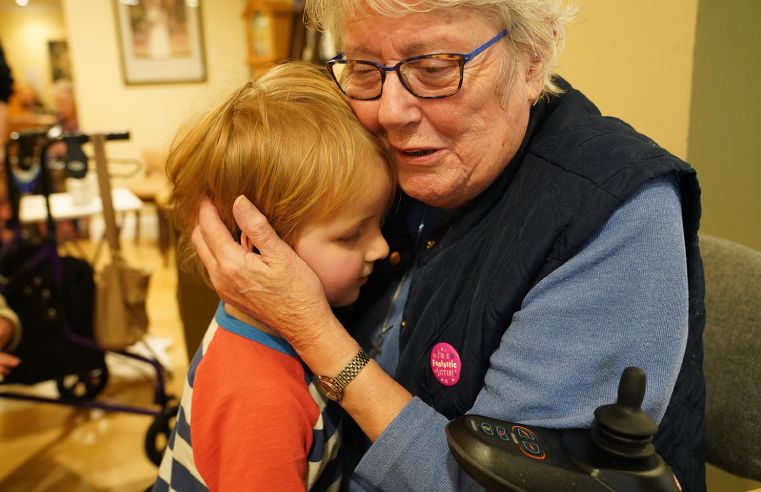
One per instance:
(418, 152)
(415, 154)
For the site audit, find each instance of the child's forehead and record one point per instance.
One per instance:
(371, 169)
(375, 184)
(379, 175)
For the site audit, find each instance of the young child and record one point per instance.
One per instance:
(251, 418)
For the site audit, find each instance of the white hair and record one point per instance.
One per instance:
(535, 27)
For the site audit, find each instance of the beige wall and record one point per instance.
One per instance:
(641, 71)
(152, 113)
(634, 60)
(25, 34)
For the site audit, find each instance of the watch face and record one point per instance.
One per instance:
(330, 390)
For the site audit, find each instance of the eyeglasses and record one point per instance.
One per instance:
(426, 76)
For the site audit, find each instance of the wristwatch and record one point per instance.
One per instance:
(333, 388)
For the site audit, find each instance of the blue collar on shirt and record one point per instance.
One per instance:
(234, 325)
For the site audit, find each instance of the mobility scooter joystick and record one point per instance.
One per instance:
(615, 454)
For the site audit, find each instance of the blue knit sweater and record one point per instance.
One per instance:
(621, 301)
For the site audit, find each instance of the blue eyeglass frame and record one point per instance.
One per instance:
(384, 69)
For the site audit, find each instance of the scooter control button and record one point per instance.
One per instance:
(486, 427)
(531, 447)
(502, 433)
(525, 433)
(532, 450)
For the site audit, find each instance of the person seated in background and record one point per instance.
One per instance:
(290, 142)
(26, 111)
(10, 337)
(65, 112)
(6, 88)
(65, 106)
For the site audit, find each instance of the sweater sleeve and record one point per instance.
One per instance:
(621, 301)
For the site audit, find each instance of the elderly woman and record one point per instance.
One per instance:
(538, 248)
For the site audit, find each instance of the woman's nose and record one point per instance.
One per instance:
(398, 107)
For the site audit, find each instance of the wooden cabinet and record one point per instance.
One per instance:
(269, 27)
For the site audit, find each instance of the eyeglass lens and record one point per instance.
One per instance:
(430, 76)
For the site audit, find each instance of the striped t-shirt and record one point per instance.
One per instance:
(250, 418)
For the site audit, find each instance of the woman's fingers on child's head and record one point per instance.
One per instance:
(255, 228)
(247, 244)
(209, 261)
(214, 233)
(202, 250)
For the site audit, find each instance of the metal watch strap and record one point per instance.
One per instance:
(347, 374)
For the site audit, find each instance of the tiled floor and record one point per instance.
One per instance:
(46, 447)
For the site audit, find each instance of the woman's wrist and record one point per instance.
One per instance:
(327, 348)
(372, 398)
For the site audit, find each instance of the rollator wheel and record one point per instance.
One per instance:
(84, 385)
(157, 437)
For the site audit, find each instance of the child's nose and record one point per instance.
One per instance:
(379, 249)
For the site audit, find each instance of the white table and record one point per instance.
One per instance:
(32, 207)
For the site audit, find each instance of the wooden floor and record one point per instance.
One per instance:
(46, 447)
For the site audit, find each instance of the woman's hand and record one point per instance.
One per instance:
(7, 361)
(274, 285)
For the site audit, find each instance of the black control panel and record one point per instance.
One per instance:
(516, 439)
(615, 454)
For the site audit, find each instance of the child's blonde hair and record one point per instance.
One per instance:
(288, 141)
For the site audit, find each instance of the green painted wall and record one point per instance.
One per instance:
(724, 142)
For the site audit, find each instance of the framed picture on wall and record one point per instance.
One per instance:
(60, 64)
(160, 41)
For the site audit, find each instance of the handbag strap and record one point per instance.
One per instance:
(104, 185)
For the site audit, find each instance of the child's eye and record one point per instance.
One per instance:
(350, 238)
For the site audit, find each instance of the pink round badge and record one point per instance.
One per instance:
(445, 364)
